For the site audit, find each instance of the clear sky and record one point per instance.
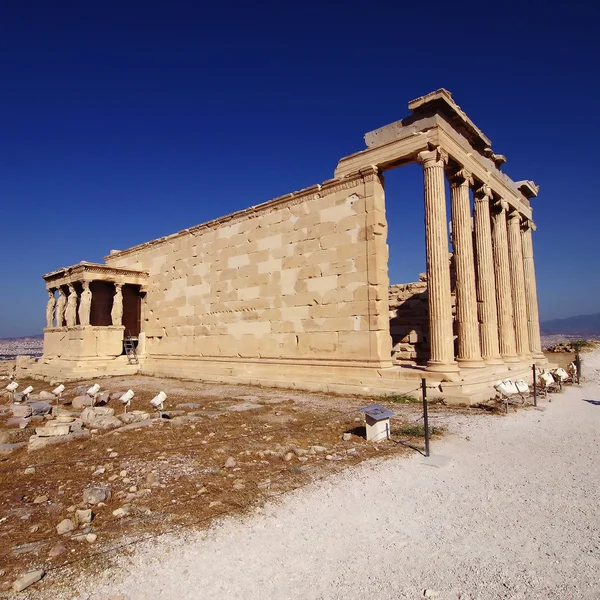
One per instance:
(122, 122)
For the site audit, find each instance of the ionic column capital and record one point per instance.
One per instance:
(528, 225)
(483, 194)
(514, 215)
(460, 177)
(501, 205)
(433, 158)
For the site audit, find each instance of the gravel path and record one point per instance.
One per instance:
(515, 514)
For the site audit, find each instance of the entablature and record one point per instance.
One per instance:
(86, 271)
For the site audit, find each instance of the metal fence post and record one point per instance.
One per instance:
(425, 416)
(578, 366)
(534, 385)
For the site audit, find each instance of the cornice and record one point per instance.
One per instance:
(330, 186)
(105, 272)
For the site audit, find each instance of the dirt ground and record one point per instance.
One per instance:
(171, 474)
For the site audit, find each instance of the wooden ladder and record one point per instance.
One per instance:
(129, 345)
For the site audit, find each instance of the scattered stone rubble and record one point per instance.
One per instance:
(45, 420)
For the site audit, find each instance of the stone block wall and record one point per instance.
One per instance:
(409, 320)
(300, 278)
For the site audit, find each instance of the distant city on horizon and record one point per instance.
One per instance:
(580, 326)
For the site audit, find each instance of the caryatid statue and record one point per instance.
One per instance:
(50, 309)
(85, 304)
(71, 312)
(116, 313)
(60, 307)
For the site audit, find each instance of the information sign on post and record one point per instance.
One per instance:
(377, 419)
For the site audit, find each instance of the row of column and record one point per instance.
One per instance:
(496, 297)
(72, 309)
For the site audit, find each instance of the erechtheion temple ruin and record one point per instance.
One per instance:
(295, 292)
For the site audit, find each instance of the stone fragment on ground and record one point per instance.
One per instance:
(40, 408)
(51, 430)
(80, 402)
(122, 512)
(243, 407)
(27, 580)
(100, 417)
(20, 422)
(134, 416)
(44, 395)
(189, 406)
(96, 494)
(65, 526)
(318, 449)
(37, 442)
(84, 516)
(21, 410)
(57, 550)
(230, 463)
(102, 398)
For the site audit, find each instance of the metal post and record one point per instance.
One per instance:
(534, 385)
(578, 366)
(425, 416)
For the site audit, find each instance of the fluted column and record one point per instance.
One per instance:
(469, 352)
(438, 270)
(506, 327)
(486, 284)
(533, 317)
(517, 280)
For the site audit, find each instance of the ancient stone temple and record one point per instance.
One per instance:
(295, 292)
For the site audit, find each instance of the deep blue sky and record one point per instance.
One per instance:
(122, 122)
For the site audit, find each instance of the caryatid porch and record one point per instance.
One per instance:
(91, 308)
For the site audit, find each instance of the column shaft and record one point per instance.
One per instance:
(533, 318)
(469, 352)
(506, 327)
(438, 268)
(517, 280)
(486, 284)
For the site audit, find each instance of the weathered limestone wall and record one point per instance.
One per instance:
(300, 279)
(409, 320)
(83, 342)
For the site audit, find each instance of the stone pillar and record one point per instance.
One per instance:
(486, 284)
(116, 313)
(517, 280)
(71, 312)
(533, 318)
(85, 304)
(469, 352)
(50, 308)
(438, 272)
(60, 307)
(506, 327)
